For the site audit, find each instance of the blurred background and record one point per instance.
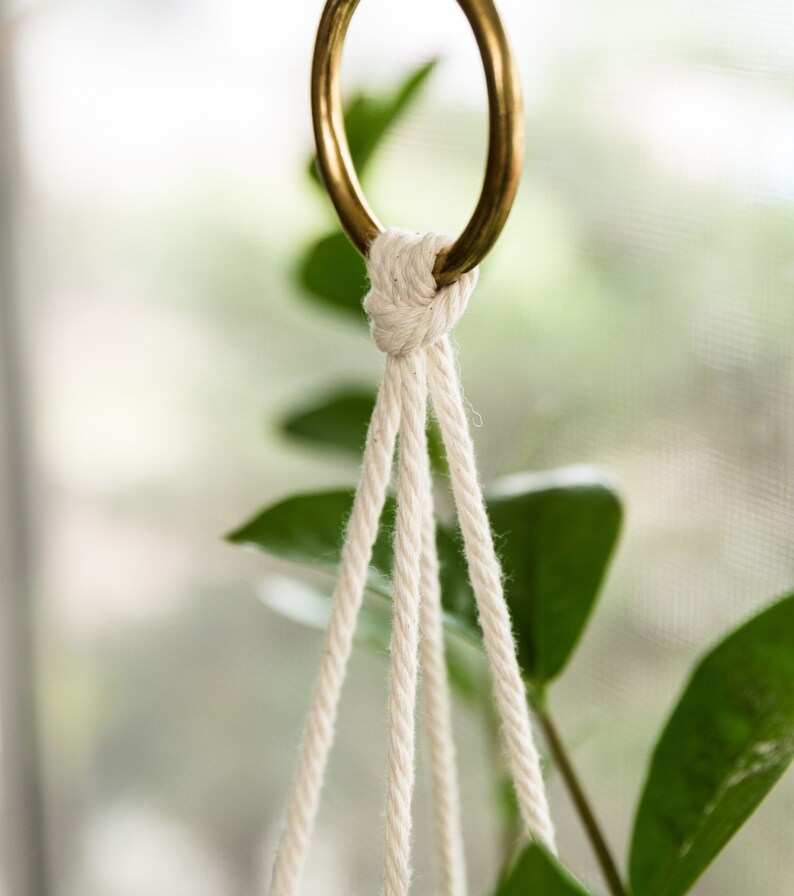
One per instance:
(638, 314)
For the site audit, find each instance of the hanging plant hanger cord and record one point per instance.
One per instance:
(410, 319)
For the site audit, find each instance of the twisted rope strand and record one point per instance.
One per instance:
(362, 529)
(405, 630)
(438, 711)
(486, 579)
(410, 318)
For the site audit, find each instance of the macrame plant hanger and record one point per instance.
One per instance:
(420, 287)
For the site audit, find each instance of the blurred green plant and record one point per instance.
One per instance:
(730, 736)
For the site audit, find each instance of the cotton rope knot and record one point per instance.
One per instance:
(406, 308)
(411, 318)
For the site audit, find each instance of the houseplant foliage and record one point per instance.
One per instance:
(730, 735)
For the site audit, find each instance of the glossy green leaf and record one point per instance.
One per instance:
(337, 420)
(555, 533)
(309, 529)
(333, 273)
(538, 873)
(369, 118)
(729, 739)
(340, 420)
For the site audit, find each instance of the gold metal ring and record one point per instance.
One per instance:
(505, 137)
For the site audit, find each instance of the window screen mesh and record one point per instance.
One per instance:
(637, 314)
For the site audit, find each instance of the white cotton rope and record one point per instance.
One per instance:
(362, 529)
(410, 319)
(438, 712)
(405, 625)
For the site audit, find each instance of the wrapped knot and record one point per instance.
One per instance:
(407, 310)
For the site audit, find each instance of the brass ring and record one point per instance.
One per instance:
(505, 137)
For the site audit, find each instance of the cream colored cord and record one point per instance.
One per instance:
(410, 320)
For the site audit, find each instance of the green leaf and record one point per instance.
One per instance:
(457, 598)
(340, 420)
(727, 742)
(336, 420)
(537, 871)
(310, 529)
(555, 533)
(369, 118)
(333, 273)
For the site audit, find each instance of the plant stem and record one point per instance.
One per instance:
(580, 801)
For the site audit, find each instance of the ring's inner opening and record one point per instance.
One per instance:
(419, 138)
